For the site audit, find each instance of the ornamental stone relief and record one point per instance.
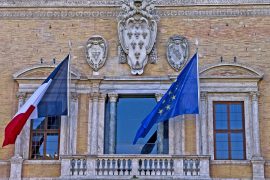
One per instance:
(177, 51)
(96, 52)
(137, 32)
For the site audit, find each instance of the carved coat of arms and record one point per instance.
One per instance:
(177, 51)
(96, 52)
(137, 31)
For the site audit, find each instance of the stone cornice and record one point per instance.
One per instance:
(84, 14)
(106, 3)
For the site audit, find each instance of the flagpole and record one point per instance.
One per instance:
(199, 149)
(68, 98)
(69, 78)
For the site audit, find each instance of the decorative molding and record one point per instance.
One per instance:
(82, 14)
(21, 73)
(203, 95)
(113, 97)
(254, 96)
(230, 70)
(74, 96)
(21, 95)
(112, 3)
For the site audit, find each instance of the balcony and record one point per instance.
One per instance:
(135, 166)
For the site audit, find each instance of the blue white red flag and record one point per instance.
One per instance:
(50, 99)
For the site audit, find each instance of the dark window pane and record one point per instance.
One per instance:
(221, 119)
(222, 155)
(237, 154)
(237, 142)
(130, 113)
(222, 142)
(236, 120)
(38, 123)
(37, 146)
(236, 108)
(221, 108)
(52, 146)
(54, 122)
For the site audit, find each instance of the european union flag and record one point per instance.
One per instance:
(181, 98)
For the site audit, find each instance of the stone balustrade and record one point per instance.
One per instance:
(132, 166)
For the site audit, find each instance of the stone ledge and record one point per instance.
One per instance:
(112, 3)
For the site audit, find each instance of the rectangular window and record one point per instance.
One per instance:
(131, 111)
(45, 137)
(229, 131)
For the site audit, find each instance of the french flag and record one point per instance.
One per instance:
(50, 99)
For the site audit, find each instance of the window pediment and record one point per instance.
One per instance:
(230, 70)
(40, 71)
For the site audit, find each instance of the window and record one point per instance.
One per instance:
(229, 133)
(45, 136)
(130, 113)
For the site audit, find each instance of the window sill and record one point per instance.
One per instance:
(42, 161)
(235, 162)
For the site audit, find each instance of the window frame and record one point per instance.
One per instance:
(228, 130)
(45, 132)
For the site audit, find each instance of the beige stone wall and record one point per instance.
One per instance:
(267, 171)
(82, 130)
(41, 170)
(230, 171)
(24, 42)
(4, 170)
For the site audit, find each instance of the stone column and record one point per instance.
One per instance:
(255, 125)
(94, 122)
(160, 130)
(204, 127)
(18, 149)
(101, 115)
(16, 167)
(112, 125)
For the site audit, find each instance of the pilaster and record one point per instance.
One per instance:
(204, 126)
(18, 149)
(94, 122)
(101, 124)
(255, 124)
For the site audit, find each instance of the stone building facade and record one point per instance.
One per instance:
(124, 50)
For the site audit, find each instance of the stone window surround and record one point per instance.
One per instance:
(230, 97)
(68, 136)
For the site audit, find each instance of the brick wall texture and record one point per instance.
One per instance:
(24, 41)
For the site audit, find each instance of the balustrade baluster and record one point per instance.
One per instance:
(98, 167)
(110, 170)
(163, 168)
(158, 167)
(104, 165)
(197, 164)
(147, 173)
(121, 167)
(125, 172)
(114, 169)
